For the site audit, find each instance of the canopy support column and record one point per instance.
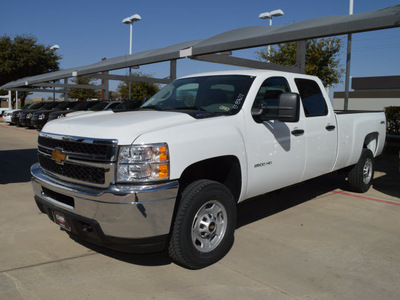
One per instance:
(301, 56)
(65, 89)
(9, 100)
(172, 71)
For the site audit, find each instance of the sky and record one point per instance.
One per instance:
(89, 30)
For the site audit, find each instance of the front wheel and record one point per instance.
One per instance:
(361, 175)
(204, 225)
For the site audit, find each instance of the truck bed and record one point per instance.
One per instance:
(368, 129)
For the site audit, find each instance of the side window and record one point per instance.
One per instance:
(311, 96)
(269, 92)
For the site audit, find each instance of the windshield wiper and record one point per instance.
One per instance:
(201, 112)
(155, 107)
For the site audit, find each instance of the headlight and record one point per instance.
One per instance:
(143, 163)
(41, 117)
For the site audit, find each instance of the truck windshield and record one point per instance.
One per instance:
(203, 96)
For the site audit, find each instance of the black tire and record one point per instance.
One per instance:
(203, 230)
(361, 175)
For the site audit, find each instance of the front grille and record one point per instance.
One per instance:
(82, 173)
(72, 146)
(79, 160)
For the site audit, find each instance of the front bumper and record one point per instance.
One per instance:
(123, 217)
(37, 123)
(14, 120)
(24, 122)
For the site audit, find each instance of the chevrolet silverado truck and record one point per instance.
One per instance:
(169, 175)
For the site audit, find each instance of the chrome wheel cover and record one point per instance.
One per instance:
(367, 171)
(209, 226)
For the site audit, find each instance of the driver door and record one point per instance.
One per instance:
(276, 150)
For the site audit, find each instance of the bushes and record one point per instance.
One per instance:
(392, 119)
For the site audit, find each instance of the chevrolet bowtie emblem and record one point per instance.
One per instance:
(58, 156)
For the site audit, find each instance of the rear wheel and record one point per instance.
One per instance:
(204, 225)
(361, 175)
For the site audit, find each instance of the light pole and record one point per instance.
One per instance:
(348, 58)
(269, 15)
(54, 48)
(130, 20)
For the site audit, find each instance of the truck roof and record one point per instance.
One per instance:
(252, 72)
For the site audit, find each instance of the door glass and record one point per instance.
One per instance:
(268, 95)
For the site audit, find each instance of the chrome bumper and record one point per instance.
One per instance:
(122, 211)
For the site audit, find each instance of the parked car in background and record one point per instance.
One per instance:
(105, 105)
(40, 117)
(3, 110)
(84, 105)
(25, 115)
(127, 105)
(8, 113)
(16, 114)
(7, 116)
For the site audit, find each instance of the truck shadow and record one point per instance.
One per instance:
(15, 165)
(142, 259)
(389, 165)
(269, 204)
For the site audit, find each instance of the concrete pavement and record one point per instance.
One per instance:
(312, 241)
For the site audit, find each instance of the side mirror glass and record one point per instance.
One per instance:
(287, 110)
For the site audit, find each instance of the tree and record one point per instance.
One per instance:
(23, 56)
(82, 93)
(321, 58)
(139, 90)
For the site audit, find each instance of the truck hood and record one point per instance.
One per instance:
(124, 127)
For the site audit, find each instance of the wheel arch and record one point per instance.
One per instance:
(371, 142)
(224, 169)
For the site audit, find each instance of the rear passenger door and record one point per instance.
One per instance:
(320, 129)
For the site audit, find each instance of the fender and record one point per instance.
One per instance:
(201, 140)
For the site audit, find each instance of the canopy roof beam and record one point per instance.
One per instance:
(132, 78)
(27, 89)
(243, 62)
(70, 86)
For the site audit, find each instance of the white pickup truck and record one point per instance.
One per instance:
(169, 175)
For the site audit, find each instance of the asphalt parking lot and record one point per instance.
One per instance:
(316, 240)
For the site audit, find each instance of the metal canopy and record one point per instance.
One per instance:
(242, 38)
(249, 37)
(137, 59)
